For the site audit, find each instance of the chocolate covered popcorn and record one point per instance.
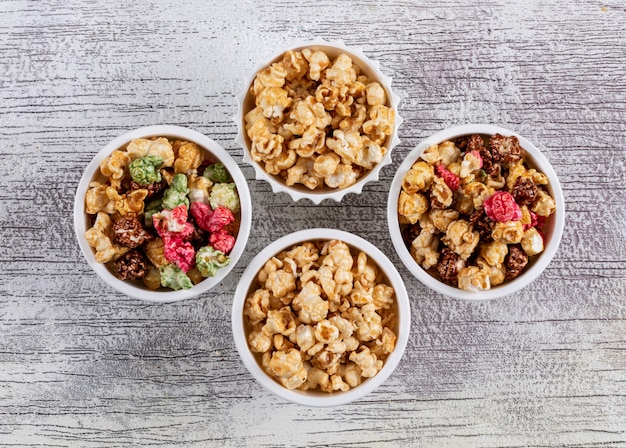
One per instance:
(162, 213)
(472, 211)
(316, 121)
(320, 316)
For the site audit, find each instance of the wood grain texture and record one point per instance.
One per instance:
(81, 365)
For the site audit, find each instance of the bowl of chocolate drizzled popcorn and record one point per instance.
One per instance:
(476, 212)
(318, 121)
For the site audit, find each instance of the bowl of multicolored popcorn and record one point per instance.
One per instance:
(318, 121)
(162, 213)
(476, 212)
(321, 317)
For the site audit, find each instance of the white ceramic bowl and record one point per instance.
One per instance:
(368, 67)
(553, 227)
(317, 398)
(136, 289)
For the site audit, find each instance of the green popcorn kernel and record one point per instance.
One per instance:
(177, 193)
(151, 208)
(209, 260)
(145, 170)
(217, 173)
(224, 195)
(173, 277)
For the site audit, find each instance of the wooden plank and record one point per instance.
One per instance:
(81, 365)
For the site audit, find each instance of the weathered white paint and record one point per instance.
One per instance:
(81, 365)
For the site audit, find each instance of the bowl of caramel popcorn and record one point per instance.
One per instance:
(321, 317)
(162, 213)
(318, 121)
(476, 212)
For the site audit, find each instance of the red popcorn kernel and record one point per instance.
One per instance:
(211, 220)
(451, 180)
(220, 218)
(179, 252)
(201, 212)
(180, 214)
(501, 207)
(222, 240)
(173, 222)
(199, 209)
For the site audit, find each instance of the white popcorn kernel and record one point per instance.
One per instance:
(305, 337)
(532, 242)
(473, 279)
(309, 304)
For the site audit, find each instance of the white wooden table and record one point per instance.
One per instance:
(81, 365)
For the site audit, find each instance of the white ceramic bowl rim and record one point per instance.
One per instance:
(318, 196)
(320, 399)
(504, 289)
(80, 219)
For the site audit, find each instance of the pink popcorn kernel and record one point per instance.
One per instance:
(501, 207)
(179, 252)
(451, 179)
(222, 240)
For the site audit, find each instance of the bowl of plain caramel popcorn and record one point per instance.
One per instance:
(162, 213)
(321, 317)
(476, 212)
(318, 121)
